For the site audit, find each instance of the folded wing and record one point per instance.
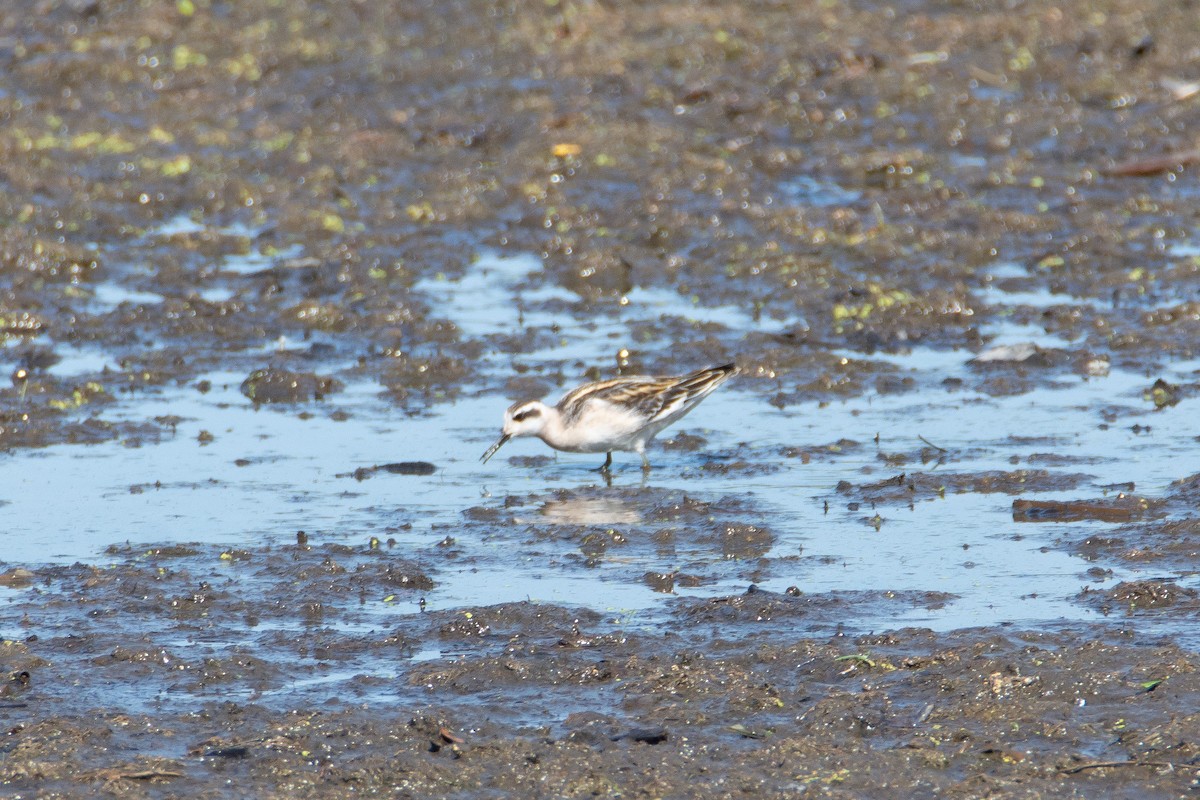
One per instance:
(654, 399)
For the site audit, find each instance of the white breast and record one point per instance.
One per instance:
(600, 428)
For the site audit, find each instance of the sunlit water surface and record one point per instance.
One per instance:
(295, 473)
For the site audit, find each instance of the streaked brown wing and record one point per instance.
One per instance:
(647, 399)
(652, 398)
(615, 390)
(683, 393)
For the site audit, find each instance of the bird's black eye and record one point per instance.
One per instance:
(521, 416)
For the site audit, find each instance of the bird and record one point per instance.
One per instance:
(618, 414)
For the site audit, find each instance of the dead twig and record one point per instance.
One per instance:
(151, 774)
(1152, 165)
(931, 444)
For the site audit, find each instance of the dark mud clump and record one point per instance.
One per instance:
(768, 610)
(281, 386)
(1134, 597)
(1120, 508)
(422, 468)
(910, 487)
(1163, 533)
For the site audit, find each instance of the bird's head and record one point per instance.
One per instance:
(526, 418)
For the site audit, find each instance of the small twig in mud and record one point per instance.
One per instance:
(1155, 164)
(112, 776)
(1106, 764)
(860, 658)
(151, 774)
(931, 444)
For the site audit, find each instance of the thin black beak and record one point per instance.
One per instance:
(491, 451)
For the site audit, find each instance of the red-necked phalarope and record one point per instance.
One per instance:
(618, 414)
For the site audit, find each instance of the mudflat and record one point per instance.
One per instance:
(270, 273)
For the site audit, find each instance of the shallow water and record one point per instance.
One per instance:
(296, 465)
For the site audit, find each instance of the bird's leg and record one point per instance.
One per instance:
(607, 463)
(645, 463)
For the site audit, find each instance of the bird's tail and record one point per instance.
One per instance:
(705, 380)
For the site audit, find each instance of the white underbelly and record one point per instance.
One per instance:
(603, 430)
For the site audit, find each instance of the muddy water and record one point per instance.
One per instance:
(271, 273)
(264, 473)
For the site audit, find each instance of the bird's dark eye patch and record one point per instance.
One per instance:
(521, 416)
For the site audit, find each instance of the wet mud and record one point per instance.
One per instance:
(227, 684)
(269, 273)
